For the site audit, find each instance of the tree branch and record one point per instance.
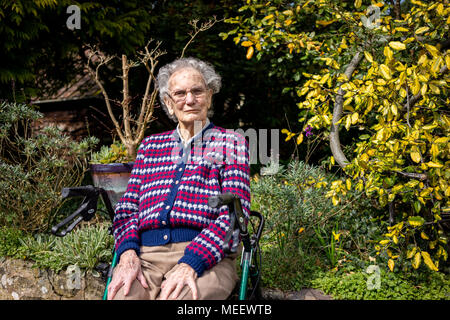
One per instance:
(95, 76)
(337, 114)
(203, 27)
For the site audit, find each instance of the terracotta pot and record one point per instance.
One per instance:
(112, 177)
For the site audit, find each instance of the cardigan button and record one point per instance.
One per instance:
(167, 207)
(164, 223)
(165, 237)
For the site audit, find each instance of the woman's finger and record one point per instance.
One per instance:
(191, 283)
(142, 279)
(112, 290)
(168, 288)
(177, 291)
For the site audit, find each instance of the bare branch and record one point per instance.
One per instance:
(413, 175)
(102, 60)
(203, 27)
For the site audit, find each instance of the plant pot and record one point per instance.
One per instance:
(113, 177)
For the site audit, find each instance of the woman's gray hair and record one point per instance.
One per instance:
(212, 80)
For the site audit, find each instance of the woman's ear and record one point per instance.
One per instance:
(168, 104)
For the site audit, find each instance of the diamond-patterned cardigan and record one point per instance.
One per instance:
(166, 199)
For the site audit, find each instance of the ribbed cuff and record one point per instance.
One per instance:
(124, 246)
(195, 262)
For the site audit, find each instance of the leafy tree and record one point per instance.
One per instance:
(380, 70)
(42, 54)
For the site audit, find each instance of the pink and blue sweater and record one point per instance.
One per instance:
(167, 194)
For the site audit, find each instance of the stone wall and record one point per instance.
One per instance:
(20, 280)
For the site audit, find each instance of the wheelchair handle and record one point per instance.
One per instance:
(86, 191)
(85, 211)
(221, 199)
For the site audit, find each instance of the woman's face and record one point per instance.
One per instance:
(189, 99)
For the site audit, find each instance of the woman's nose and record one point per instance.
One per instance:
(190, 98)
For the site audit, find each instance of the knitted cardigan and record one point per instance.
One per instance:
(166, 199)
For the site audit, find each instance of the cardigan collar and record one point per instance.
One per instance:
(207, 125)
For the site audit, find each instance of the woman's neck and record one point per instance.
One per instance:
(188, 130)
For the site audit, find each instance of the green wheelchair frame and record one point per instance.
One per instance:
(249, 287)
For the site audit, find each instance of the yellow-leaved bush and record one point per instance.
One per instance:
(394, 101)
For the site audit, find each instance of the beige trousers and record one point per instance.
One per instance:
(158, 262)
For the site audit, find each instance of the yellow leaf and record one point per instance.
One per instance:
(447, 61)
(416, 261)
(395, 239)
(388, 53)
(440, 9)
(434, 164)
(397, 45)
(348, 182)
(411, 253)
(401, 29)
(415, 156)
(358, 4)
(394, 109)
(436, 64)
(385, 71)
(355, 117)
(422, 30)
(246, 43)
(348, 122)
(391, 264)
(435, 89)
(384, 242)
(422, 60)
(441, 140)
(250, 51)
(368, 56)
(324, 78)
(268, 17)
(335, 200)
(300, 138)
(432, 49)
(424, 236)
(325, 23)
(427, 260)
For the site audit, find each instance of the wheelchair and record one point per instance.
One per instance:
(249, 284)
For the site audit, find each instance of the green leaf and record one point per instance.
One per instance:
(416, 221)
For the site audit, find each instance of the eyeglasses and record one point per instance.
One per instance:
(180, 95)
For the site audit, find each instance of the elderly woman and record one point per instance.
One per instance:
(170, 242)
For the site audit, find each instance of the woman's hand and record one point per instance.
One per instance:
(181, 276)
(128, 270)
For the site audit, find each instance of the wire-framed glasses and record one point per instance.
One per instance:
(180, 95)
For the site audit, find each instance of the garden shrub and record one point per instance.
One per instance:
(34, 167)
(353, 285)
(85, 247)
(304, 231)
